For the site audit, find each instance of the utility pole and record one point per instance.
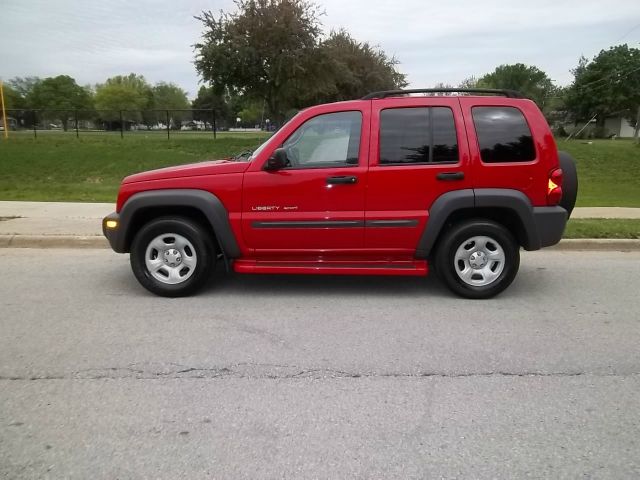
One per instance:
(635, 134)
(4, 113)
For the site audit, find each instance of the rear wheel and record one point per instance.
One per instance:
(172, 257)
(477, 258)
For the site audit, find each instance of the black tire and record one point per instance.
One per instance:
(569, 182)
(453, 239)
(200, 249)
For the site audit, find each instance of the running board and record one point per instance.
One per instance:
(410, 268)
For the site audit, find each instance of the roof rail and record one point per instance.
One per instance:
(395, 93)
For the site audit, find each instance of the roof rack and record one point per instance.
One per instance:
(492, 91)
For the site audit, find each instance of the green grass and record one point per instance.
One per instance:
(602, 228)
(59, 167)
(608, 172)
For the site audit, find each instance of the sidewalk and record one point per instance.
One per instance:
(58, 224)
(53, 224)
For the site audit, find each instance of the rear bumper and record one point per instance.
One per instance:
(550, 223)
(114, 234)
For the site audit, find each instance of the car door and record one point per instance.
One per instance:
(315, 205)
(418, 152)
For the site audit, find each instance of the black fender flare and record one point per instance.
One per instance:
(206, 202)
(448, 203)
(440, 210)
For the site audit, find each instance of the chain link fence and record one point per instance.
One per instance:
(122, 122)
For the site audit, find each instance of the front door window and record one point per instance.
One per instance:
(325, 141)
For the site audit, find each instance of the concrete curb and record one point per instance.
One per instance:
(599, 244)
(52, 241)
(76, 241)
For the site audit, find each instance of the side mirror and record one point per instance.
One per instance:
(278, 160)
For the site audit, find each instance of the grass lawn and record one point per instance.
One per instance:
(608, 172)
(59, 167)
(602, 228)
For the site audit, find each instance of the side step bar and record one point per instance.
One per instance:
(400, 268)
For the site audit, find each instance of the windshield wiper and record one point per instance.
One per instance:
(243, 155)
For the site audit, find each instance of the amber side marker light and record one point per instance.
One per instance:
(554, 187)
(111, 224)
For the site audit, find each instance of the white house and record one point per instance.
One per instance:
(619, 126)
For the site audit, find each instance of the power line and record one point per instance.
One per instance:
(619, 75)
(623, 36)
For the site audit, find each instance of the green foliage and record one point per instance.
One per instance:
(527, 79)
(12, 99)
(168, 96)
(131, 93)
(59, 97)
(208, 99)
(261, 50)
(23, 86)
(251, 114)
(469, 82)
(273, 51)
(347, 69)
(609, 85)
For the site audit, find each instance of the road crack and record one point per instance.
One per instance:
(279, 371)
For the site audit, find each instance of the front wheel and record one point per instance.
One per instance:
(477, 258)
(172, 257)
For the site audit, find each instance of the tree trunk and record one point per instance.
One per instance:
(635, 133)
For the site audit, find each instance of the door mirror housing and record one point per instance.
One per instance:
(277, 160)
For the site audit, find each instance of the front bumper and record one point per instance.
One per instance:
(112, 229)
(550, 223)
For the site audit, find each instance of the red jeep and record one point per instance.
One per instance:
(387, 185)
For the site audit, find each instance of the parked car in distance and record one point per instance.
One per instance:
(391, 184)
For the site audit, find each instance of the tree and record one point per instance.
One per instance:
(12, 99)
(131, 94)
(23, 86)
(528, 80)
(442, 85)
(59, 97)
(168, 96)
(16, 92)
(469, 82)
(608, 85)
(262, 50)
(207, 101)
(346, 69)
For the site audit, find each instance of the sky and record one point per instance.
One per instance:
(434, 41)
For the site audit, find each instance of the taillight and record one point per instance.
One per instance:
(554, 188)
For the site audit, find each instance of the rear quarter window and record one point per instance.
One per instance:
(503, 135)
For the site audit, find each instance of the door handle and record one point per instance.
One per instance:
(448, 176)
(344, 180)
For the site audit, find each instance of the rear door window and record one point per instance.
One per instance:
(417, 136)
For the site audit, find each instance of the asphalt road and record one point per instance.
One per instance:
(318, 377)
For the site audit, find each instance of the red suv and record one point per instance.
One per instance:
(391, 184)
